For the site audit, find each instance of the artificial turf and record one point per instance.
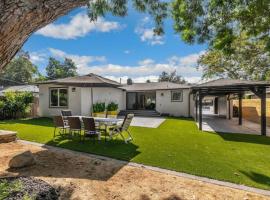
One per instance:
(177, 145)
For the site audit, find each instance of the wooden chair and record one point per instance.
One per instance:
(90, 130)
(75, 126)
(118, 130)
(59, 123)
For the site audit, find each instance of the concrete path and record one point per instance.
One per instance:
(148, 122)
(216, 124)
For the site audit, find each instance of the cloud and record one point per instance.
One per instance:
(146, 33)
(78, 26)
(127, 52)
(144, 70)
(80, 61)
(38, 57)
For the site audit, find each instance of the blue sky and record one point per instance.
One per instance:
(115, 47)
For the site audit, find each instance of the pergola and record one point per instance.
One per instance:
(228, 87)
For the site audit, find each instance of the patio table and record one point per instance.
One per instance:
(104, 121)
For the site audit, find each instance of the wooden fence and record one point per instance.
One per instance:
(252, 110)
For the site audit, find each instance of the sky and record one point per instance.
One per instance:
(115, 47)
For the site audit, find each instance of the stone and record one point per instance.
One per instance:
(7, 136)
(22, 160)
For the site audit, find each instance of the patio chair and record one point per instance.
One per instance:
(119, 129)
(90, 130)
(75, 126)
(59, 123)
(65, 114)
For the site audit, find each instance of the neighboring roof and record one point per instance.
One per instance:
(89, 80)
(222, 82)
(154, 86)
(20, 88)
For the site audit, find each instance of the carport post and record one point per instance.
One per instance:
(196, 107)
(240, 96)
(200, 111)
(263, 111)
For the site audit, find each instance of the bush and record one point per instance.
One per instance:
(99, 107)
(112, 106)
(15, 104)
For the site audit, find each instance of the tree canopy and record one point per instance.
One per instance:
(57, 69)
(20, 69)
(171, 77)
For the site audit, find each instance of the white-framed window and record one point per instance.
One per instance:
(176, 95)
(58, 97)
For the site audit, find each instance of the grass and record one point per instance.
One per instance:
(7, 188)
(177, 145)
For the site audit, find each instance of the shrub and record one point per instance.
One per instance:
(112, 106)
(99, 107)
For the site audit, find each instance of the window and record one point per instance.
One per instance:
(177, 95)
(58, 97)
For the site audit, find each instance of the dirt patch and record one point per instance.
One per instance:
(83, 177)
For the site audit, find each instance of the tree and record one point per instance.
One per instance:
(21, 18)
(220, 21)
(171, 77)
(249, 61)
(148, 81)
(55, 69)
(129, 81)
(20, 69)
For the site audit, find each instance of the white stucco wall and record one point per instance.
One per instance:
(79, 101)
(107, 95)
(74, 101)
(222, 106)
(164, 105)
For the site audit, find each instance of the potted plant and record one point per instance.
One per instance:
(112, 108)
(99, 109)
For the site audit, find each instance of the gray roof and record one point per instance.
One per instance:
(20, 88)
(154, 86)
(222, 82)
(84, 81)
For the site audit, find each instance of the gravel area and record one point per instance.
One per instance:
(30, 187)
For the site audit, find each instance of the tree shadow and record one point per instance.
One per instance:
(61, 163)
(42, 121)
(257, 177)
(245, 138)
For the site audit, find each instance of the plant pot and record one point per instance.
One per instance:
(99, 114)
(112, 112)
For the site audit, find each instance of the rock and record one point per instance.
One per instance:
(22, 160)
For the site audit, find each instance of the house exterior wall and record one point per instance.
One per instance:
(74, 102)
(164, 105)
(222, 106)
(79, 100)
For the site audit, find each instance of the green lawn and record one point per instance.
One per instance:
(177, 144)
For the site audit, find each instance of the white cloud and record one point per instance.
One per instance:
(78, 26)
(37, 57)
(81, 62)
(146, 33)
(140, 79)
(144, 70)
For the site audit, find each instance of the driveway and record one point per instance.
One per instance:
(148, 122)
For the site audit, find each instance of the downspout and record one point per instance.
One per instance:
(189, 104)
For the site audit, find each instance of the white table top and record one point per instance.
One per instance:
(103, 119)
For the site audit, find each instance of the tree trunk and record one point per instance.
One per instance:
(20, 18)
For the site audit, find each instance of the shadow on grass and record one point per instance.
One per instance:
(42, 121)
(245, 138)
(257, 177)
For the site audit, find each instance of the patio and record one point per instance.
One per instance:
(217, 124)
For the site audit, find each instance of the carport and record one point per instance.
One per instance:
(231, 88)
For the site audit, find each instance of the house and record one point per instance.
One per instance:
(21, 88)
(81, 92)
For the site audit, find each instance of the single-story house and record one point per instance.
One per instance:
(80, 93)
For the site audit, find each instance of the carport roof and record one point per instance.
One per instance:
(229, 86)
